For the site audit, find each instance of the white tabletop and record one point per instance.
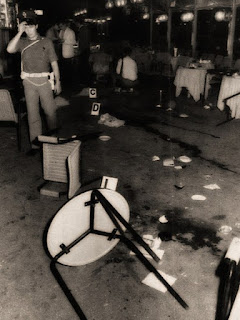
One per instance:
(73, 220)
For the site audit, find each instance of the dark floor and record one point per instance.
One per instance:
(111, 288)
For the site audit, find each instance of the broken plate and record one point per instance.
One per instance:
(225, 229)
(184, 159)
(104, 138)
(183, 115)
(198, 197)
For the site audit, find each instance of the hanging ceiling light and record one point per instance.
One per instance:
(187, 16)
(162, 18)
(136, 1)
(120, 3)
(109, 4)
(223, 15)
(146, 16)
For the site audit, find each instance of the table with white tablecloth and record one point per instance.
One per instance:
(230, 86)
(196, 80)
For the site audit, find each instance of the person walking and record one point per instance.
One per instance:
(38, 58)
(68, 39)
(52, 33)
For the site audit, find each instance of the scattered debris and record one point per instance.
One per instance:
(180, 185)
(185, 159)
(212, 186)
(198, 197)
(237, 224)
(110, 121)
(225, 229)
(158, 106)
(206, 107)
(169, 109)
(163, 219)
(207, 176)
(171, 104)
(158, 252)
(178, 167)
(155, 158)
(183, 115)
(154, 244)
(104, 138)
(152, 281)
(169, 162)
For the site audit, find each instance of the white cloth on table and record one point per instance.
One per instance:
(229, 87)
(193, 80)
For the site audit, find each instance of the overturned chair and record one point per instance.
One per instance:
(61, 166)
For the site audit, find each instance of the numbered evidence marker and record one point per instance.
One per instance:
(95, 108)
(109, 183)
(92, 92)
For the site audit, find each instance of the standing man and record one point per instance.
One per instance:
(53, 34)
(38, 57)
(68, 38)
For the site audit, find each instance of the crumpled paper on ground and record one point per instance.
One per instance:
(153, 243)
(212, 186)
(110, 121)
(152, 281)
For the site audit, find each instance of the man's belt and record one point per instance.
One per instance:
(34, 75)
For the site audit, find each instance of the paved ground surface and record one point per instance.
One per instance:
(111, 288)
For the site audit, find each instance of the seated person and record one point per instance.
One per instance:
(127, 71)
(100, 63)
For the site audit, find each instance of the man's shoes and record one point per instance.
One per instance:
(32, 152)
(35, 142)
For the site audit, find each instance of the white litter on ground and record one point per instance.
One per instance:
(178, 167)
(158, 106)
(110, 121)
(198, 197)
(225, 229)
(168, 162)
(163, 219)
(237, 225)
(152, 281)
(212, 186)
(183, 115)
(185, 159)
(158, 252)
(104, 138)
(155, 158)
(206, 107)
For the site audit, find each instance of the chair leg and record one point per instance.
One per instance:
(19, 131)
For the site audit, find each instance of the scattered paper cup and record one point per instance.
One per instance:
(225, 229)
(104, 138)
(163, 219)
(198, 197)
(184, 159)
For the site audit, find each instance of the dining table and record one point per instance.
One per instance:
(194, 79)
(230, 88)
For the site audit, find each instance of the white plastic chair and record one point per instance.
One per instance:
(8, 113)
